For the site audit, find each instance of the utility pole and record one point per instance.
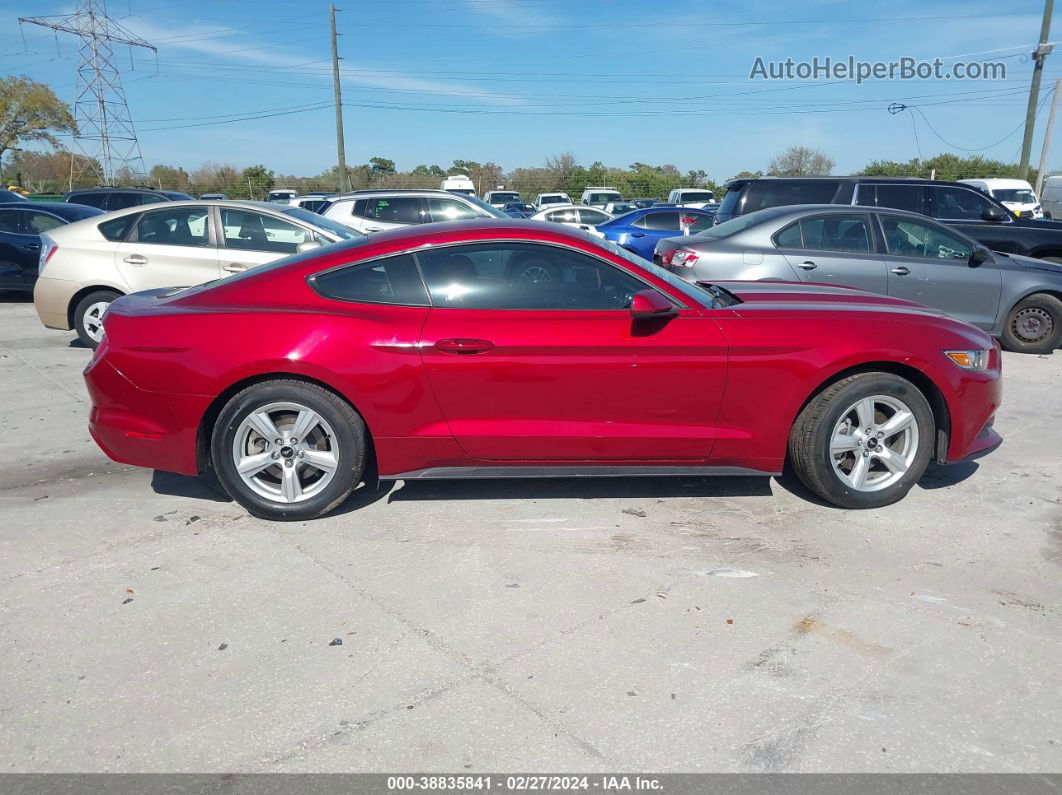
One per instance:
(105, 131)
(344, 182)
(1039, 55)
(1047, 139)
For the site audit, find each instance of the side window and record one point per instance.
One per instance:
(563, 217)
(178, 226)
(524, 276)
(789, 237)
(393, 210)
(663, 222)
(119, 200)
(37, 222)
(257, 232)
(898, 197)
(9, 221)
(95, 199)
(907, 237)
(360, 208)
(449, 210)
(592, 217)
(783, 192)
(697, 222)
(394, 280)
(963, 204)
(117, 228)
(844, 233)
(149, 198)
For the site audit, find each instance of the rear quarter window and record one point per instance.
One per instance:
(117, 228)
(392, 280)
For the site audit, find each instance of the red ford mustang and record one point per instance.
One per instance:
(521, 349)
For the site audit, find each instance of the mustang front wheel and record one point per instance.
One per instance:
(864, 441)
(288, 450)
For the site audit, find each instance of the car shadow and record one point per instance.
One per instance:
(940, 477)
(204, 487)
(16, 297)
(580, 488)
(77, 343)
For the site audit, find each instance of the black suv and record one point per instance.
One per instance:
(119, 198)
(955, 204)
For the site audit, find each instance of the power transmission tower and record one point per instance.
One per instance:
(106, 134)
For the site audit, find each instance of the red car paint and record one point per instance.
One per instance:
(708, 386)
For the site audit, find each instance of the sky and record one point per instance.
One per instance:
(515, 81)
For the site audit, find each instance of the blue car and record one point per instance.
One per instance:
(21, 224)
(638, 231)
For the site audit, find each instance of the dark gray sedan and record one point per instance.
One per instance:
(897, 253)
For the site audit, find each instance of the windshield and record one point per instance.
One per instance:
(697, 196)
(555, 199)
(604, 198)
(505, 197)
(739, 224)
(327, 224)
(694, 292)
(487, 209)
(1015, 195)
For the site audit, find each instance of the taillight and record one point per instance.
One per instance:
(684, 258)
(48, 249)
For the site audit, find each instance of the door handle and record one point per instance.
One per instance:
(234, 267)
(373, 228)
(901, 271)
(807, 265)
(637, 234)
(32, 247)
(464, 346)
(136, 259)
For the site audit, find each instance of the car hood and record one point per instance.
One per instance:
(1028, 263)
(811, 296)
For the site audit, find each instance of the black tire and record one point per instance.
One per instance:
(1034, 325)
(348, 442)
(82, 324)
(811, 436)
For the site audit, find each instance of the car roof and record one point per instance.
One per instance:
(228, 204)
(737, 181)
(394, 191)
(62, 209)
(788, 210)
(501, 227)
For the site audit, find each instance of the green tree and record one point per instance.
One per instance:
(170, 178)
(379, 166)
(254, 183)
(30, 111)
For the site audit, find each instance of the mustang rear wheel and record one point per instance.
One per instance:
(864, 441)
(1034, 325)
(288, 450)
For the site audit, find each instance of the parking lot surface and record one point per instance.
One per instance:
(731, 624)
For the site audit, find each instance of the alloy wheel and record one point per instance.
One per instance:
(93, 320)
(285, 452)
(874, 443)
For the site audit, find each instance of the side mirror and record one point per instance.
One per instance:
(993, 214)
(980, 256)
(308, 245)
(650, 304)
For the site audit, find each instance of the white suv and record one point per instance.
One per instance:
(691, 197)
(599, 197)
(544, 200)
(377, 210)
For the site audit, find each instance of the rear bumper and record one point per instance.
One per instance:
(51, 298)
(141, 428)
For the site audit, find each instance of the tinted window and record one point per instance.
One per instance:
(789, 237)
(779, 193)
(37, 222)
(450, 210)
(524, 276)
(697, 223)
(394, 280)
(739, 224)
(257, 232)
(119, 200)
(177, 226)
(394, 210)
(96, 199)
(959, 203)
(662, 221)
(847, 233)
(9, 221)
(907, 237)
(898, 197)
(593, 217)
(117, 228)
(696, 196)
(151, 198)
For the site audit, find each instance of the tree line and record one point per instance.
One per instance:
(31, 113)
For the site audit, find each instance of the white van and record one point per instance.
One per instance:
(282, 195)
(459, 183)
(1015, 194)
(599, 197)
(543, 200)
(500, 198)
(697, 198)
(1051, 198)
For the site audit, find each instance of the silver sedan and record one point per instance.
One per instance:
(886, 251)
